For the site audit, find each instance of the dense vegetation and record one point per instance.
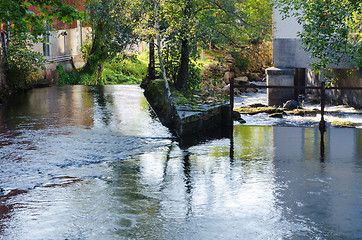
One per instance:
(179, 29)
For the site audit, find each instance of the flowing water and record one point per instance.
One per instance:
(82, 162)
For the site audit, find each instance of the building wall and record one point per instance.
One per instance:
(287, 48)
(65, 50)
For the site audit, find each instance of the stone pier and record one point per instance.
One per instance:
(279, 77)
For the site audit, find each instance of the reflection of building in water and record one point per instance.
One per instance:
(74, 104)
(325, 193)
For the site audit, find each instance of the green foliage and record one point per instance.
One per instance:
(171, 60)
(331, 29)
(194, 79)
(171, 57)
(241, 61)
(24, 21)
(112, 23)
(121, 70)
(23, 65)
(124, 70)
(67, 79)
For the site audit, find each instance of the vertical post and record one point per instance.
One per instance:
(322, 123)
(231, 121)
(151, 64)
(231, 100)
(4, 46)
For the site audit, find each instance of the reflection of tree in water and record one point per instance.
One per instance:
(188, 182)
(322, 145)
(104, 102)
(186, 165)
(359, 147)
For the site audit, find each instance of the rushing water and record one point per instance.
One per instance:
(83, 162)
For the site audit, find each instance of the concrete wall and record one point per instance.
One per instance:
(287, 48)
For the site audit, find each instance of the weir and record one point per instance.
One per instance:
(322, 89)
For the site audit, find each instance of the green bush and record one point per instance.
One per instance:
(241, 61)
(124, 70)
(23, 64)
(128, 70)
(67, 79)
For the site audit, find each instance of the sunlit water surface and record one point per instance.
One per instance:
(83, 162)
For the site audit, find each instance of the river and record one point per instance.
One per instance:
(81, 162)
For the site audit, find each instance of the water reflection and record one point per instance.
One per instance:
(110, 171)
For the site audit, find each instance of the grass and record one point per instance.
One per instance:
(208, 57)
(131, 70)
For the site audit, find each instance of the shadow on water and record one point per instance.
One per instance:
(202, 137)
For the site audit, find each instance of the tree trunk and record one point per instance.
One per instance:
(151, 64)
(183, 75)
(168, 91)
(97, 56)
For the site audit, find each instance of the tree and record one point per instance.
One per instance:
(112, 23)
(198, 22)
(331, 29)
(26, 28)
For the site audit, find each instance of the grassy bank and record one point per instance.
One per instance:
(131, 69)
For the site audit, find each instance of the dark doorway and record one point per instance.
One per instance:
(299, 80)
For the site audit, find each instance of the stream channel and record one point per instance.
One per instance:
(79, 162)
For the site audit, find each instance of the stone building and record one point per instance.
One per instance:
(291, 68)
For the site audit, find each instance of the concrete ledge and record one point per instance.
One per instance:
(183, 119)
(280, 71)
(279, 77)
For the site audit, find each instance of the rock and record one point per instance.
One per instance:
(227, 76)
(241, 120)
(291, 104)
(341, 124)
(226, 89)
(254, 77)
(236, 115)
(241, 80)
(276, 115)
(301, 112)
(256, 105)
(251, 90)
(253, 111)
